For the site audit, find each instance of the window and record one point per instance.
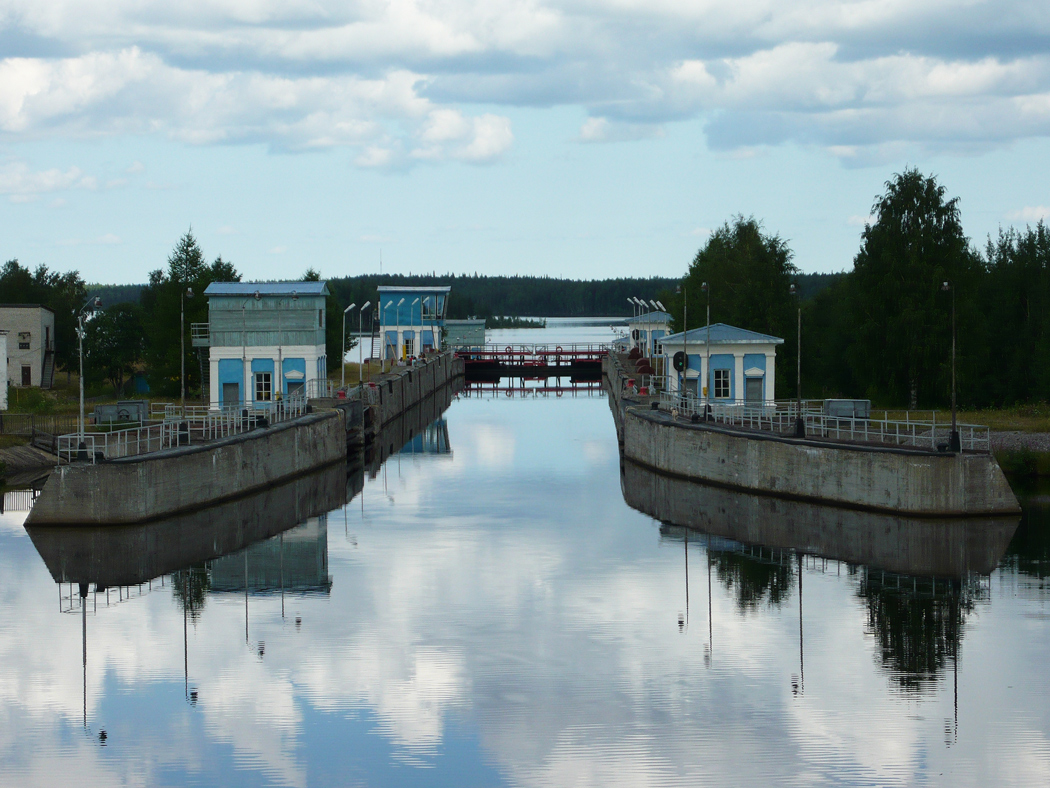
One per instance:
(721, 384)
(24, 338)
(263, 387)
(320, 318)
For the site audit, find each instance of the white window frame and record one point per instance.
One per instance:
(721, 379)
(263, 387)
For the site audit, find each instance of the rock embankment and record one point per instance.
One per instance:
(1014, 440)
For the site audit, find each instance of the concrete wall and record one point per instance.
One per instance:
(128, 555)
(870, 477)
(147, 487)
(404, 387)
(925, 547)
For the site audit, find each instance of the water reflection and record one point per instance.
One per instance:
(918, 579)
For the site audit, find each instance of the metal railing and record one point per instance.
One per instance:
(182, 426)
(781, 417)
(200, 334)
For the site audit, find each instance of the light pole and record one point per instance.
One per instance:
(415, 301)
(954, 443)
(360, 348)
(708, 377)
(94, 304)
(652, 323)
(342, 357)
(400, 338)
(188, 293)
(684, 292)
(800, 422)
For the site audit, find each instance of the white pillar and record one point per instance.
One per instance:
(213, 383)
(771, 371)
(738, 375)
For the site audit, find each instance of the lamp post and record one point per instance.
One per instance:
(94, 304)
(397, 315)
(800, 422)
(188, 293)
(360, 348)
(708, 377)
(342, 357)
(410, 318)
(954, 443)
(684, 292)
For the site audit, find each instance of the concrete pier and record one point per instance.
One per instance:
(874, 477)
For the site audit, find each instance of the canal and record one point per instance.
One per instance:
(488, 610)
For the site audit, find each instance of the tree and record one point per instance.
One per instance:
(902, 318)
(162, 301)
(749, 274)
(113, 344)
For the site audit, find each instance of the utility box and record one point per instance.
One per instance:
(129, 410)
(847, 408)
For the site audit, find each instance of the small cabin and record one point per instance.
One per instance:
(265, 340)
(730, 365)
(645, 332)
(411, 320)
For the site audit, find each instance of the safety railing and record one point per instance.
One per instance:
(182, 426)
(782, 417)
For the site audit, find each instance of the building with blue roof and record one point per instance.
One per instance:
(645, 331)
(725, 363)
(265, 340)
(411, 319)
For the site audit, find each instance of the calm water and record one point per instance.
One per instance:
(488, 610)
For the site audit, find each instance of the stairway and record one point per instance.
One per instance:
(203, 357)
(47, 373)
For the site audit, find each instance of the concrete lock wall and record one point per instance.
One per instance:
(402, 389)
(146, 487)
(870, 477)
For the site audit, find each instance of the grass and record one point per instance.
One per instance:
(1022, 418)
(10, 441)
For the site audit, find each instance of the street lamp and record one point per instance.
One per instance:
(188, 293)
(400, 338)
(800, 423)
(954, 444)
(414, 302)
(94, 304)
(708, 377)
(360, 346)
(684, 292)
(342, 357)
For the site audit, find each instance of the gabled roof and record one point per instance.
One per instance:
(722, 334)
(399, 289)
(247, 289)
(651, 317)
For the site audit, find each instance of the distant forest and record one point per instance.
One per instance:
(517, 296)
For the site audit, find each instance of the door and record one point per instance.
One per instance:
(27, 375)
(231, 395)
(753, 390)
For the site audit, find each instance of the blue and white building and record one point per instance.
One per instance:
(645, 332)
(411, 319)
(736, 366)
(265, 340)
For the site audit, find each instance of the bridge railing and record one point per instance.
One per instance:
(596, 349)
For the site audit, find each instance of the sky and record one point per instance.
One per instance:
(575, 138)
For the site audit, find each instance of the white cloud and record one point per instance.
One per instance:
(24, 184)
(1030, 213)
(393, 80)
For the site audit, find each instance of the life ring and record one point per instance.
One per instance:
(510, 349)
(559, 349)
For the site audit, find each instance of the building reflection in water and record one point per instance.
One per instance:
(918, 579)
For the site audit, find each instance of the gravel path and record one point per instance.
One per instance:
(1015, 441)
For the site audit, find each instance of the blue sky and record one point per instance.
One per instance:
(574, 138)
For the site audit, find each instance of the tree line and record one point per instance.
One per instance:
(883, 330)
